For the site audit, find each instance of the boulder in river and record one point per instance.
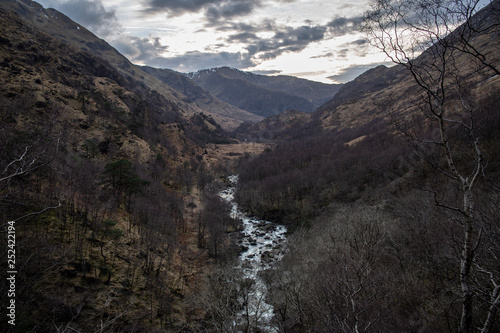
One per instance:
(267, 256)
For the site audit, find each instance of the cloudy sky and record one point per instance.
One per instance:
(314, 39)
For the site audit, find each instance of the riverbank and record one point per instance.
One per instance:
(262, 245)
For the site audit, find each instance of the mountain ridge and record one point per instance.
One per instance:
(261, 94)
(62, 27)
(291, 92)
(127, 167)
(231, 115)
(112, 163)
(380, 181)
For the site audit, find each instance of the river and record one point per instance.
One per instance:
(263, 244)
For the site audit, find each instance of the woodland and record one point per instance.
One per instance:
(393, 237)
(390, 193)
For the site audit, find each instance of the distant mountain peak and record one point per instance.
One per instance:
(261, 94)
(224, 70)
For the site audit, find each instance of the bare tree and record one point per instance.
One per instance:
(233, 302)
(452, 63)
(22, 156)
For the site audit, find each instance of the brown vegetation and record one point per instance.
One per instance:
(392, 236)
(390, 193)
(97, 171)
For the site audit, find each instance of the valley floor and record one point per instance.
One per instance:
(225, 153)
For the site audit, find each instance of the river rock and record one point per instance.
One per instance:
(267, 257)
(271, 227)
(261, 244)
(246, 264)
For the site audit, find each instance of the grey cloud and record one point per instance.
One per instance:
(240, 27)
(360, 47)
(343, 53)
(193, 61)
(243, 37)
(268, 25)
(229, 9)
(140, 49)
(254, 48)
(307, 34)
(342, 25)
(350, 73)
(214, 9)
(283, 35)
(286, 40)
(150, 51)
(178, 6)
(214, 46)
(90, 13)
(360, 42)
(268, 72)
(126, 48)
(236, 26)
(303, 74)
(326, 55)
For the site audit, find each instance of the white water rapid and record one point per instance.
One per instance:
(263, 244)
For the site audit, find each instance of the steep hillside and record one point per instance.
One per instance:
(227, 115)
(382, 93)
(98, 172)
(63, 28)
(382, 103)
(355, 106)
(60, 26)
(263, 95)
(286, 125)
(369, 84)
(391, 192)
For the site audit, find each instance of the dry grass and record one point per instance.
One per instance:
(227, 153)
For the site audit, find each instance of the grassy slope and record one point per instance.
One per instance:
(99, 258)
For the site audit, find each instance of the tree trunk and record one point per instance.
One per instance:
(466, 264)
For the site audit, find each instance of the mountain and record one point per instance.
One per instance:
(109, 174)
(382, 93)
(63, 28)
(229, 115)
(184, 93)
(376, 189)
(263, 95)
(103, 158)
(365, 117)
(359, 101)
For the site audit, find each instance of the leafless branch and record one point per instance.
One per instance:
(40, 212)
